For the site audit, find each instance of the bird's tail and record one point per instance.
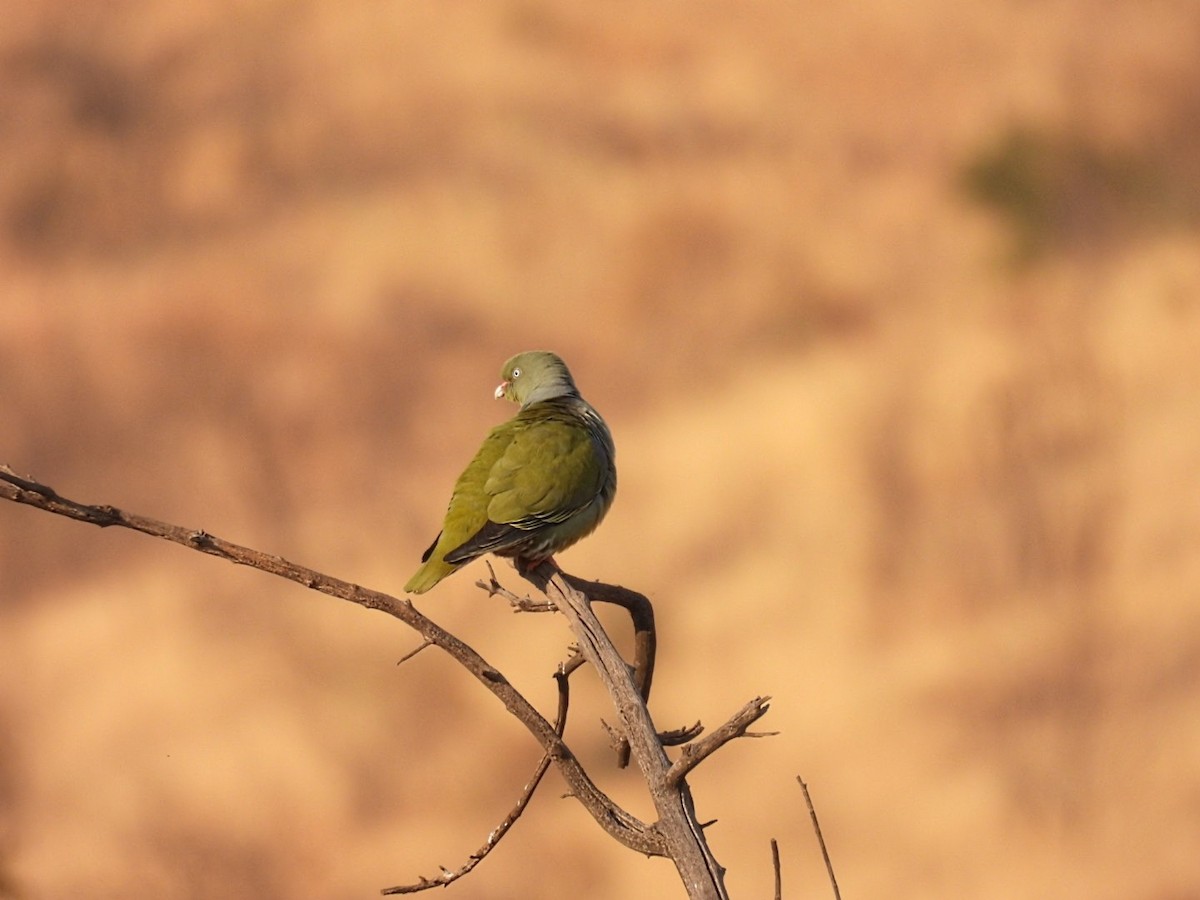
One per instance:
(433, 571)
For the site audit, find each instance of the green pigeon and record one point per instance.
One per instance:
(540, 482)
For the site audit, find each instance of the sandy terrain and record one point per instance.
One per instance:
(893, 309)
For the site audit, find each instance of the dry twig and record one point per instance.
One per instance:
(411, 653)
(677, 736)
(519, 604)
(696, 753)
(778, 872)
(497, 833)
(683, 834)
(645, 639)
(837, 895)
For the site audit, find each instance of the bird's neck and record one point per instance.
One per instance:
(552, 391)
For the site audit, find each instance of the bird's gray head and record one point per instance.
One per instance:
(533, 376)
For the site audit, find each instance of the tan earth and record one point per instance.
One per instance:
(921, 465)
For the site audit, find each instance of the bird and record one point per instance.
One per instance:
(541, 481)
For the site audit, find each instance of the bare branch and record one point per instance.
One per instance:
(677, 823)
(677, 834)
(645, 642)
(616, 740)
(519, 604)
(624, 827)
(677, 736)
(778, 872)
(411, 653)
(645, 639)
(641, 611)
(529, 605)
(572, 662)
(694, 754)
(494, 838)
(837, 895)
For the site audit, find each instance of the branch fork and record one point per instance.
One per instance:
(676, 834)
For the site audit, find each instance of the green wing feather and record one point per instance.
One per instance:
(467, 512)
(534, 472)
(548, 472)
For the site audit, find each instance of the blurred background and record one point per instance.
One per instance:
(893, 309)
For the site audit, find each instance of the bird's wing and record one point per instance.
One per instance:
(548, 472)
(467, 512)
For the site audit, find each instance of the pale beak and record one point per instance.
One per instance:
(502, 388)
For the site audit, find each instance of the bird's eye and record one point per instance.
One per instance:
(516, 373)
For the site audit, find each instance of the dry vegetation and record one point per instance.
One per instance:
(894, 310)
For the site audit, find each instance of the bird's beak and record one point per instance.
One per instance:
(502, 389)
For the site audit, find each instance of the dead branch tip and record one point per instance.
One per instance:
(812, 813)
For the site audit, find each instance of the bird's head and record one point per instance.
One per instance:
(533, 376)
